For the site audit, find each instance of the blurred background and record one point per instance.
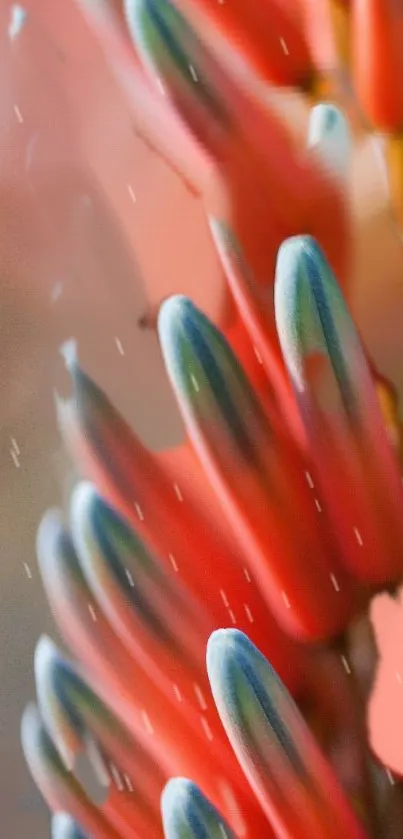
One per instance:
(94, 227)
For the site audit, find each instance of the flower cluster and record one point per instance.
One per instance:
(279, 518)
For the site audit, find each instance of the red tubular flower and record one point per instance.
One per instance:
(267, 35)
(258, 474)
(341, 413)
(252, 150)
(279, 513)
(64, 827)
(252, 155)
(60, 790)
(377, 37)
(172, 516)
(319, 31)
(280, 758)
(171, 732)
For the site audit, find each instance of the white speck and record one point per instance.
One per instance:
(119, 346)
(18, 18)
(116, 777)
(358, 536)
(335, 582)
(28, 571)
(193, 73)
(15, 445)
(390, 777)
(129, 577)
(206, 728)
(18, 114)
(129, 784)
(232, 616)
(286, 600)
(92, 612)
(178, 492)
(257, 354)
(399, 678)
(195, 383)
(200, 696)
(57, 291)
(177, 693)
(131, 193)
(147, 722)
(317, 505)
(309, 480)
(247, 575)
(15, 459)
(139, 511)
(345, 664)
(173, 562)
(224, 597)
(284, 46)
(248, 613)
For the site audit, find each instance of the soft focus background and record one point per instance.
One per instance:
(93, 226)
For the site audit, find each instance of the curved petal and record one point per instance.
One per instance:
(173, 517)
(187, 814)
(354, 464)
(281, 760)
(64, 827)
(257, 473)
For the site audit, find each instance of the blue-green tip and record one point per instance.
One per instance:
(64, 827)
(329, 135)
(254, 705)
(312, 316)
(178, 330)
(300, 261)
(187, 814)
(174, 311)
(302, 313)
